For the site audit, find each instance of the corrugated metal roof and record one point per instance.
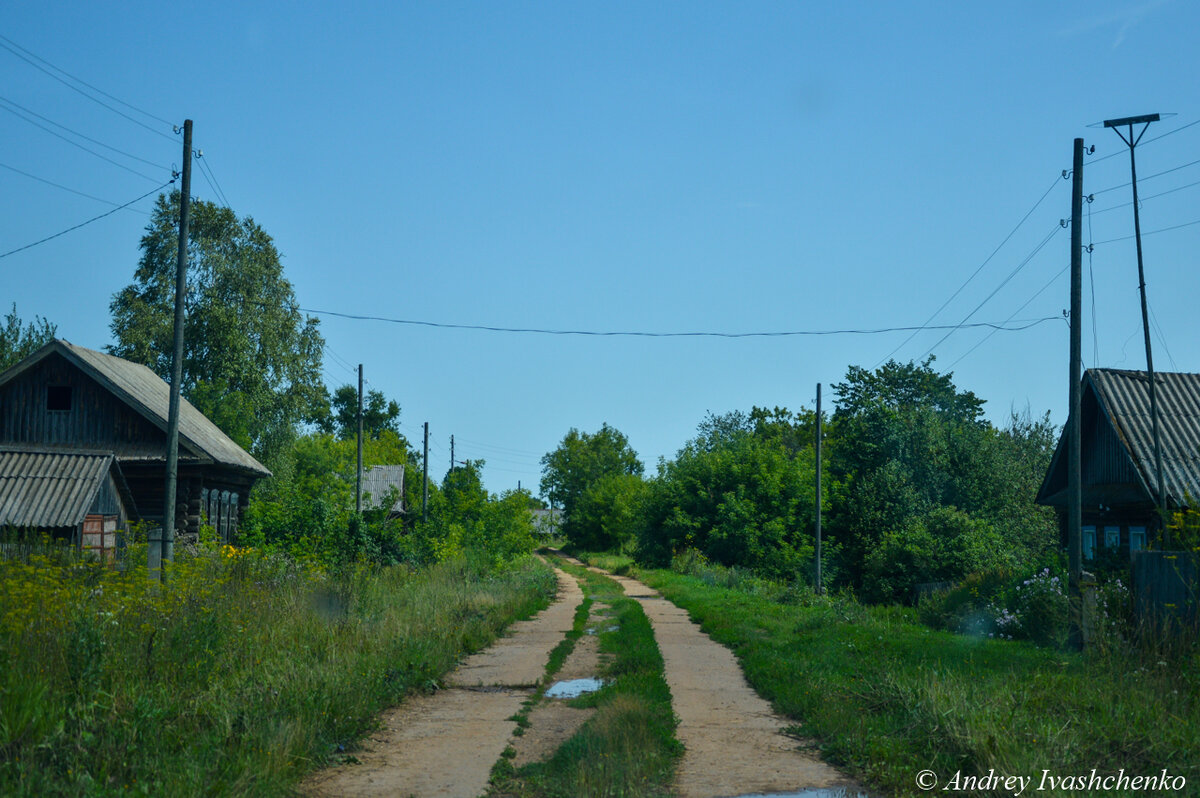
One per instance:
(147, 393)
(49, 489)
(378, 480)
(1125, 398)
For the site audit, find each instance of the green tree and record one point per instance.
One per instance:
(580, 460)
(379, 414)
(252, 362)
(18, 342)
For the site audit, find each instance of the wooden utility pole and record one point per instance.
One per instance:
(165, 550)
(451, 452)
(1117, 124)
(358, 470)
(818, 448)
(425, 477)
(1074, 476)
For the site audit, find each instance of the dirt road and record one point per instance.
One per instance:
(444, 745)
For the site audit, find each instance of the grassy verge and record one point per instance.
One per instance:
(236, 678)
(887, 697)
(628, 747)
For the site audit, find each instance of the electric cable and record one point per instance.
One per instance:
(1145, 199)
(89, 221)
(1146, 177)
(640, 334)
(1004, 282)
(73, 132)
(1014, 313)
(1115, 153)
(1149, 233)
(68, 188)
(978, 269)
(19, 52)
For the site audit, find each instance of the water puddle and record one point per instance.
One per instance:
(822, 792)
(591, 630)
(574, 688)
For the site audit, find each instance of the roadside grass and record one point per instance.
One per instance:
(886, 697)
(240, 675)
(628, 747)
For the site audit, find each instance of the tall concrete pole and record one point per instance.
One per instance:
(818, 535)
(425, 477)
(358, 470)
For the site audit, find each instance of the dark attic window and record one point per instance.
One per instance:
(58, 397)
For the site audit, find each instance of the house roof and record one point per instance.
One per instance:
(149, 395)
(1123, 399)
(45, 489)
(378, 480)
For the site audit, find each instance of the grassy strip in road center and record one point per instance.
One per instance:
(628, 747)
(887, 697)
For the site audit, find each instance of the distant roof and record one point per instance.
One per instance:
(1125, 398)
(44, 489)
(148, 394)
(378, 480)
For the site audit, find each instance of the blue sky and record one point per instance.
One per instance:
(659, 167)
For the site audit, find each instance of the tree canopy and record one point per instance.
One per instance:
(581, 460)
(379, 414)
(252, 361)
(18, 342)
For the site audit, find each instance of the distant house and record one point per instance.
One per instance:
(383, 481)
(68, 399)
(1119, 486)
(546, 521)
(78, 496)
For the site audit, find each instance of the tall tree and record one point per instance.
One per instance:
(379, 414)
(581, 460)
(17, 342)
(252, 361)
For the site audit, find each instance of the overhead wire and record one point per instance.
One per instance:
(1115, 153)
(1039, 292)
(31, 58)
(1149, 233)
(1092, 287)
(643, 334)
(963, 325)
(69, 189)
(73, 132)
(1142, 179)
(89, 221)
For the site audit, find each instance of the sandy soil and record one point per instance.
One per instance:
(444, 745)
(734, 744)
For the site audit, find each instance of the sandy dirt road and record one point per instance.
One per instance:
(444, 745)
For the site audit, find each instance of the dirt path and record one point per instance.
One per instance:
(734, 744)
(444, 745)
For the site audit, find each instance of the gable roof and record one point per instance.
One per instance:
(44, 489)
(149, 395)
(1123, 399)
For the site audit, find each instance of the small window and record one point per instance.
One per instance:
(1089, 542)
(1112, 537)
(58, 397)
(1137, 538)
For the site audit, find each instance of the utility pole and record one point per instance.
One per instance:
(818, 448)
(165, 550)
(451, 452)
(358, 471)
(1116, 125)
(425, 477)
(1074, 475)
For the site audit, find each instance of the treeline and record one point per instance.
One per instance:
(918, 487)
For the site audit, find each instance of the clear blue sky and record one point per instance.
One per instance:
(664, 167)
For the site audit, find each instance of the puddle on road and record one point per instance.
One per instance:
(574, 688)
(822, 792)
(591, 630)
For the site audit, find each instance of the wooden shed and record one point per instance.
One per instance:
(78, 496)
(65, 397)
(1119, 483)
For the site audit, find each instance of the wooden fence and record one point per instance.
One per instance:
(1165, 590)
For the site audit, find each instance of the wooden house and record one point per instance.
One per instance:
(382, 482)
(79, 496)
(66, 398)
(1119, 485)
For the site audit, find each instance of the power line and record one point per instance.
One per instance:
(206, 170)
(1115, 153)
(639, 334)
(978, 269)
(1150, 233)
(1147, 177)
(118, 164)
(73, 132)
(66, 188)
(1144, 199)
(28, 57)
(89, 221)
(1004, 282)
(1162, 338)
(1014, 313)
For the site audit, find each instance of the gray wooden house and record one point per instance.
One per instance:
(65, 398)
(382, 482)
(1119, 484)
(78, 496)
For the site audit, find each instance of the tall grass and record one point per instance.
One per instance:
(239, 675)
